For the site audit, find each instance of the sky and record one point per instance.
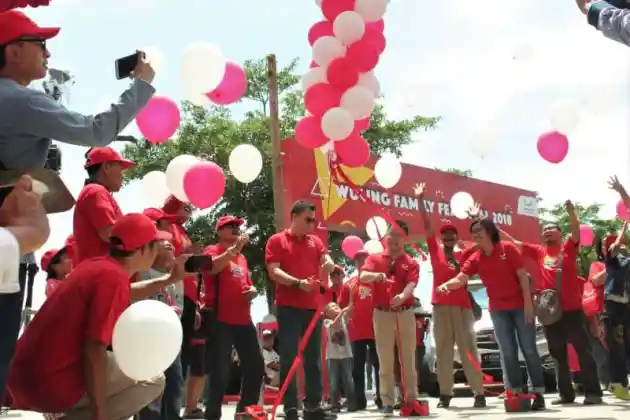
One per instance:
(494, 69)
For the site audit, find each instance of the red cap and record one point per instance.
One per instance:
(360, 252)
(135, 230)
(448, 226)
(98, 155)
(157, 214)
(48, 257)
(16, 25)
(172, 205)
(226, 220)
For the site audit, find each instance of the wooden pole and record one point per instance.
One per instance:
(276, 154)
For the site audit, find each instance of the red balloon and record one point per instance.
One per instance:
(353, 152)
(320, 98)
(379, 25)
(308, 132)
(375, 38)
(362, 125)
(342, 73)
(320, 29)
(363, 54)
(333, 8)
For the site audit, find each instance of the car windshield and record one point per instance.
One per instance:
(481, 297)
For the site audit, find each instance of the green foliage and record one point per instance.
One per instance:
(213, 132)
(588, 215)
(462, 172)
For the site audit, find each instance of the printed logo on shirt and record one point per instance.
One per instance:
(550, 263)
(404, 267)
(503, 257)
(237, 271)
(364, 292)
(310, 243)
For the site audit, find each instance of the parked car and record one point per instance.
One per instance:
(486, 342)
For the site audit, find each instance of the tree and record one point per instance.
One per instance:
(588, 215)
(213, 132)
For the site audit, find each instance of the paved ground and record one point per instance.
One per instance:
(460, 409)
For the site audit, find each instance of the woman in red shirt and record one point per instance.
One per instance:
(57, 265)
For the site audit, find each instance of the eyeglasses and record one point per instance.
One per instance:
(40, 42)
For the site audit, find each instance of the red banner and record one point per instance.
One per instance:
(306, 176)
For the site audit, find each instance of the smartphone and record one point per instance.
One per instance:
(198, 264)
(125, 65)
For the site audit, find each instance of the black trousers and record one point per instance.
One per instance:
(572, 328)
(360, 350)
(244, 338)
(616, 319)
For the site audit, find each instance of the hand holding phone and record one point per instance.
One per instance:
(135, 65)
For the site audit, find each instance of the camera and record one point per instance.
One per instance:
(53, 160)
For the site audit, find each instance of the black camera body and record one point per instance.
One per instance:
(53, 160)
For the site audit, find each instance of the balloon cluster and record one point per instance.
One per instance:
(564, 117)
(340, 88)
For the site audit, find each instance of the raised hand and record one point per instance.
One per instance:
(474, 211)
(615, 185)
(419, 189)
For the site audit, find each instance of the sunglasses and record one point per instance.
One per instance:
(40, 42)
(232, 226)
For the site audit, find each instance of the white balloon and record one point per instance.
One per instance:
(359, 101)
(337, 124)
(461, 202)
(175, 172)
(245, 163)
(203, 67)
(155, 57)
(349, 27)
(370, 81)
(314, 76)
(155, 188)
(376, 228)
(371, 10)
(387, 171)
(373, 246)
(147, 338)
(326, 49)
(483, 142)
(564, 116)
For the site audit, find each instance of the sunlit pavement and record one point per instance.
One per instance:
(461, 409)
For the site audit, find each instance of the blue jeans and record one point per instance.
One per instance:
(172, 398)
(601, 359)
(513, 333)
(292, 324)
(340, 371)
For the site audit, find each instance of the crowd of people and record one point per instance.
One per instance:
(63, 364)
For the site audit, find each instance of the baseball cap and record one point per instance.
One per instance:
(98, 155)
(173, 205)
(135, 230)
(15, 25)
(227, 220)
(48, 257)
(448, 226)
(157, 214)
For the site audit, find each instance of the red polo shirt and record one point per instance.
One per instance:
(361, 325)
(299, 257)
(344, 294)
(96, 209)
(233, 280)
(47, 371)
(547, 260)
(405, 270)
(593, 296)
(498, 274)
(443, 271)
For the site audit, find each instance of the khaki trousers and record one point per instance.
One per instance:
(124, 397)
(452, 326)
(386, 337)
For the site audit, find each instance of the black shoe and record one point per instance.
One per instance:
(398, 405)
(291, 414)
(562, 401)
(480, 401)
(539, 403)
(379, 403)
(593, 400)
(445, 401)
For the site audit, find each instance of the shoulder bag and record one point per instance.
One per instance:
(547, 305)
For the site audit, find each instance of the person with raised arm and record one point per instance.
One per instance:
(610, 17)
(557, 264)
(453, 317)
(500, 266)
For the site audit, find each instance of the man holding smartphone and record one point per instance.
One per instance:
(29, 119)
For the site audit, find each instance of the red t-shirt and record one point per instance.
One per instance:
(498, 274)
(344, 295)
(234, 308)
(333, 293)
(47, 371)
(547, 260)
(443, 271)
(299, 257)
(361, 325)
(405, 270)
(593, 296)
(181, 242)
(96, 209)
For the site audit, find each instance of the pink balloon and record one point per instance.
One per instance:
(342, 73)
(363, 54)
(333, 8)
(320, 98)
(313, 65)
(320, 29)
(159, 119)
(622, 211)
(351, 245)
(587, 236)
(375, 38)
(362, 125)
(232, 87)
(553, 146)
(379, 25)
(308, 132)
(204, 184)
(353, 152)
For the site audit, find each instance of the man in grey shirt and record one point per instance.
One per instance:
(29, 119)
